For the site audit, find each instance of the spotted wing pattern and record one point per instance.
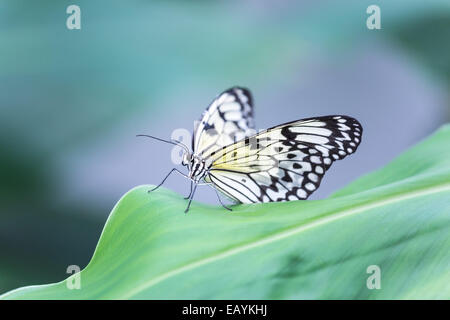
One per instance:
(283, 163)
(229, 118)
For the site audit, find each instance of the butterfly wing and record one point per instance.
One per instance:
(229, 118)
(283, 163)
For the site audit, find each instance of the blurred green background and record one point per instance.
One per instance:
(71, 101)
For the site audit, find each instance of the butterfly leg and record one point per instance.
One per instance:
(159, 185)
(190, 192)
(218, 196)
(190, 199)
(220, 200)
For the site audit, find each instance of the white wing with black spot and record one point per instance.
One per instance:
(283, 163)
(229, 118)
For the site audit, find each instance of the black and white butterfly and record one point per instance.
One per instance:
(283, 163)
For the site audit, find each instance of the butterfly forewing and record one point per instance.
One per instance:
(286, 162)
(229, 118)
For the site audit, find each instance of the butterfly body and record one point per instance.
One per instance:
(196, 166)
(282, 163)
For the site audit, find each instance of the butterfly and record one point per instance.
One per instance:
(283, 163)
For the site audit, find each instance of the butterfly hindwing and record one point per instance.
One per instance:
(283, 163)
(229, 118)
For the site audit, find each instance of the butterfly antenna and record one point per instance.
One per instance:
(172, 141)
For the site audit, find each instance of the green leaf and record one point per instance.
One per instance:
(397, 218)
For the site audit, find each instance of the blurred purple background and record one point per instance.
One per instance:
(72, 101)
